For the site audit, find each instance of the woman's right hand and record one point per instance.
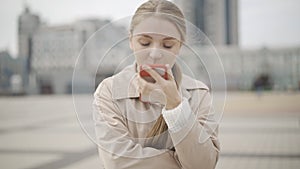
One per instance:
(163, 91)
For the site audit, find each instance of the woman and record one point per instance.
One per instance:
(165, 123)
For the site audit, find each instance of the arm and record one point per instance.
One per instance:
(194, 132)
(116, 146)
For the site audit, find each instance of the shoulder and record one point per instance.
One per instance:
(118, 85)
(189, 83)
(197, 92)
(105, 87)
(194, 90)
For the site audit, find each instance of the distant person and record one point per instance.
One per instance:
(155, 118)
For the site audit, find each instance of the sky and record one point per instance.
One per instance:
(262, 23)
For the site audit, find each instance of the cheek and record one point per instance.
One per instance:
(138, 52)
(176, 49)
(141, 56)
(170, 59)
(172, 54)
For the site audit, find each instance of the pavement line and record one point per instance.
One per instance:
(14, 151)
(38, 125)
(245, 130)
(260, 155)
(68, 159)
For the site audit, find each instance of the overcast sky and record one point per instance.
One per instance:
(262, 23)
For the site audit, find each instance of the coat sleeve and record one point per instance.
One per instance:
(117, 148)
(196, 143)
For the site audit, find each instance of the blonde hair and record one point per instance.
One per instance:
(161, 8)
(170, 12)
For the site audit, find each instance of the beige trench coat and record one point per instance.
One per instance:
(123, 121)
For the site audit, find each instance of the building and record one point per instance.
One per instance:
(76, 57)
(218, 19)
(54, 53)
(245, 68)
(12, 73)
(28, 24)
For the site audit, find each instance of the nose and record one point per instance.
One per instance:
(155, 53)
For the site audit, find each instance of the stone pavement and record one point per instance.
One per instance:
(42, 132)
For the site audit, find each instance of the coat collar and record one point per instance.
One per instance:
(125, 84)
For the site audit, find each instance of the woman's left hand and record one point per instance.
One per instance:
(164, 91)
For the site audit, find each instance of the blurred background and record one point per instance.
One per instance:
(257, 41)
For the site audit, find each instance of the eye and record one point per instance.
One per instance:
(145, 44)
(168, 46)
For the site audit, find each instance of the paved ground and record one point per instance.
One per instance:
(42, 132)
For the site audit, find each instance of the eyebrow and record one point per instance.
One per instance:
(146, 36)
(167, 38)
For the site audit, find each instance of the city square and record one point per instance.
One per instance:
(43, 132)
(54, 54)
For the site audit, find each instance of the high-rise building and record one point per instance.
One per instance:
(28, 24)
(218, 19)
(231, 22)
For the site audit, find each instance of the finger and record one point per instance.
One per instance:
(169, 72)
(141, 81)
(144, 85)
(156, 76)
(140, 85)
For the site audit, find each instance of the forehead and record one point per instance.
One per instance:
(158, 26)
